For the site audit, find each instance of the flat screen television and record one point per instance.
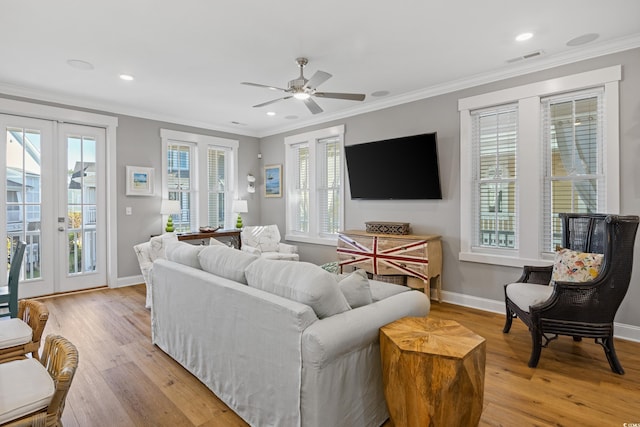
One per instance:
(401, 168)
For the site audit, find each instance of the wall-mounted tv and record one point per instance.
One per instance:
(401, 168)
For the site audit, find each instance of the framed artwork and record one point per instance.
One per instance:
(139, 181)
(273, 181)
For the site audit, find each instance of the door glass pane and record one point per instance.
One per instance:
(23, 174)
(81, 204)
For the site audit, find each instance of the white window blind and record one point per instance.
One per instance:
(216, 184)
(179, 185)
(299, 193)
(329, 185)
(494, 204)
(574, 176)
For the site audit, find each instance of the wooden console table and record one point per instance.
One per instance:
(433, 372)
(233, 235)
(406, 254)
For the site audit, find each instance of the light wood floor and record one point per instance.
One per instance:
(123, 380)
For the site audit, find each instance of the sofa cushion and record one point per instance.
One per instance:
(226, 262)
(299, 281)
(184, 253)
(525, 295)
(355, 288)
(573, 266)
(382, 290)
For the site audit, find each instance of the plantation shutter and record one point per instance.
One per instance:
(179, 185)
(217, 188)
(300, 192)
(574, 176)
(329, 152)
(494, 204)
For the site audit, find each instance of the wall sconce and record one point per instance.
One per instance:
(251, 186)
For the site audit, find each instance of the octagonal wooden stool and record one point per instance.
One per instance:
(433, 372)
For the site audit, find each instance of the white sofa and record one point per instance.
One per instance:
(277, 341)
(264, 241)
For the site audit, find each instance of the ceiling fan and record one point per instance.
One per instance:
(304, 89)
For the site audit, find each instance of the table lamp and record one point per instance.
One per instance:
(239, 206)
(169, 207)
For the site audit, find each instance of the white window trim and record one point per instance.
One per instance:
(530, 147)
(201, 144)
(312, 139)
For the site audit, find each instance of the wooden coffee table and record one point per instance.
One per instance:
(433, 372)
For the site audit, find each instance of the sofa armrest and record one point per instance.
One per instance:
(251, 250)
(343, 333)
(286, 248)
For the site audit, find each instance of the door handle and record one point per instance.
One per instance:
(60, 228)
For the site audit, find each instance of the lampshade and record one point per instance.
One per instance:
(240, 206)
(169, 207)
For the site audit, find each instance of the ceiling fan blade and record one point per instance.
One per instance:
(348, 96)
(317, 79)
(271, 102)
(312, 106)
(265, 86)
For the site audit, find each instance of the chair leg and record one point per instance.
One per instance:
(610, 352)
(508, 321)
(536, 347)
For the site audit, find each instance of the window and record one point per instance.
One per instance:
(494, 142)
(530, 152)
(314, 185)
(573, 159)
(200, 172)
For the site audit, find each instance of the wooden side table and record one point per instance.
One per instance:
(433, 372)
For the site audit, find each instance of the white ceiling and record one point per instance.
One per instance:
(189, 57)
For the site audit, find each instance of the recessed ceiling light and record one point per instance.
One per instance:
(127, 77)
(80, 64)
(583, 39)
(271, 113)
(523, 37)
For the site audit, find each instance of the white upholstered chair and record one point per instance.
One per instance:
(148, 252)
(264, 240)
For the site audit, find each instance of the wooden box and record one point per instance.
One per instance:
(398, 228)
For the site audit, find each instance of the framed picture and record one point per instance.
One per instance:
(273, 181)
(139, 181)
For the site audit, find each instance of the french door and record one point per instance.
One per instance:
(53, 179)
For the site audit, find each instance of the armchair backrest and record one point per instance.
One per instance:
(14, 278)
(611, 235)
(264, 237)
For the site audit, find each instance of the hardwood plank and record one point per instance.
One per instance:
(123, 380)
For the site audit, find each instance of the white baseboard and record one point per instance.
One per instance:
(128, 281)
(622, 331)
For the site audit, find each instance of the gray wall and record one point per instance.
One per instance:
(443, 216)
(139, 144)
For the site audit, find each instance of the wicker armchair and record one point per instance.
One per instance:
(585, 309)
(33, 393)
(32, 318)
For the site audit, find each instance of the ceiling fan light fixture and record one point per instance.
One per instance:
(301, 95)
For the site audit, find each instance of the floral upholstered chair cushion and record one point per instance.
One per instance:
(573, 266)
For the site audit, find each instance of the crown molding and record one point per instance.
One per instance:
(526, 67)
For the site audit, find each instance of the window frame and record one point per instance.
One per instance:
(312, 140)
(530, 172)
(200, 145)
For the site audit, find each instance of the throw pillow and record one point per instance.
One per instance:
(299, 281)
(213, 242)
(184, 253)
(573, 266)
(356, 290)
(226, 262)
